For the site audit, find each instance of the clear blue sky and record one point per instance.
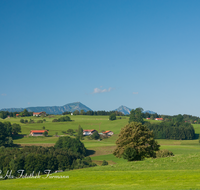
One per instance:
(103, 53)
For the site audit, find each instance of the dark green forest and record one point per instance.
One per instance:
(172, 130)
(68, 153)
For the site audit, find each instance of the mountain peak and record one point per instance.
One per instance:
(125, 110)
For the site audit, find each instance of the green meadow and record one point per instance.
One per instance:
(179, 172)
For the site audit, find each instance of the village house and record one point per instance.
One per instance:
(37, 132)
(39, 113)
(148, 118)
(109, 133)
(159, 119)
(88, 132)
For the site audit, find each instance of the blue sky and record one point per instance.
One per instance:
(104, 54)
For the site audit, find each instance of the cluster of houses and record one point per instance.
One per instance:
(89, 132)
(39, 113)
(85, 132)
(158, 119)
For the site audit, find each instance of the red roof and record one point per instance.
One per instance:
(37, 112)
(38, 131)
(88, 130)
(159, 118)
(17, 114)
(106, 131)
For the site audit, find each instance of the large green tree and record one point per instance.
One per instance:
(136, 115)
(16, 128)
(135, 142)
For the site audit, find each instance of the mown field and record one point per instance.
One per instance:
(179, 172)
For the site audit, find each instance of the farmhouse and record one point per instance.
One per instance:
(148, 118)
(159, 119)
(88, 132)
(37, 132)
(39, 113)
(109, 133)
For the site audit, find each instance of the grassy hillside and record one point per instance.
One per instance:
(179, 172)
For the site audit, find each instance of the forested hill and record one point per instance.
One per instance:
(52, 109)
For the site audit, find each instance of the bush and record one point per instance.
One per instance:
(31, 121)
(65, 118)
(21, 120)
(95, 135)
(62, 119)
(40, 121)
(104, 163)
(45, 133)
(112, 117)
(164, 153)
(54, 120)
(70, 132)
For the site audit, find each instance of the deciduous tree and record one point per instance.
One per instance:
(135, 142)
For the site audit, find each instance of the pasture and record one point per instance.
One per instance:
(179, 172)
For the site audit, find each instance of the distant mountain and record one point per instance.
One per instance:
(52, 109)
(125, 110)
(148, 111)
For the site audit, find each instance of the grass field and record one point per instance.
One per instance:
(179, 172)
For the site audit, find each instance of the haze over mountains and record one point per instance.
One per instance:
(71, 107)
(52, 109)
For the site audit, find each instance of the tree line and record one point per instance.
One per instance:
(24, 113)
(68, 153)
(175, 128)
(172, 130)
(90, 112)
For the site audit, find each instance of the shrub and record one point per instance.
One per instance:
(65, 118)
(40, 121)
(45, 133)
(164, 153)
(54, 120)
(104, 163)
(70, 132)
(31, 121)
(112, 117)
(21, 120)
(95, 135)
